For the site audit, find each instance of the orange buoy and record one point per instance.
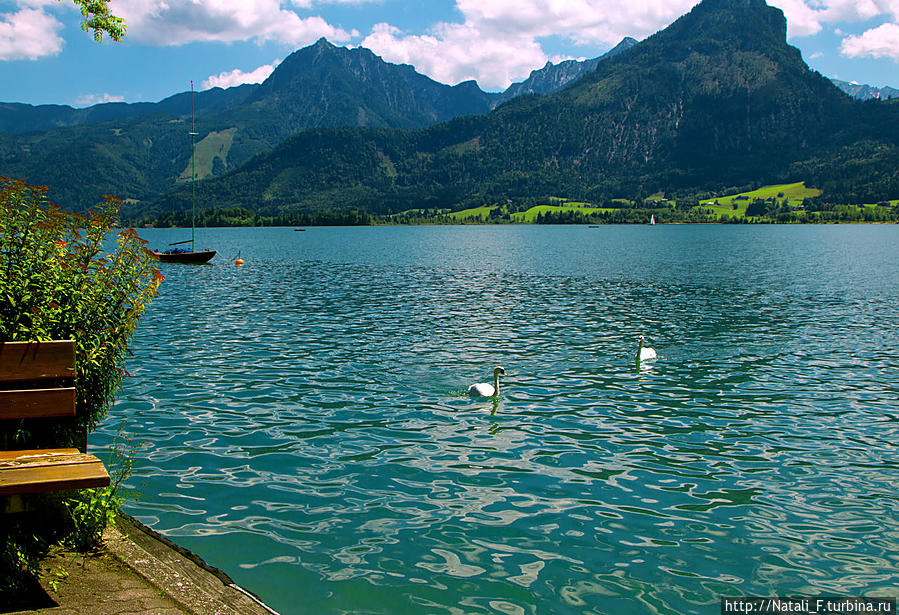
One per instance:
(238, 262)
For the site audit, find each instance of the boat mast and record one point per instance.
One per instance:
(193, 173)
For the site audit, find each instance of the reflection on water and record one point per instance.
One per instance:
(306, 426)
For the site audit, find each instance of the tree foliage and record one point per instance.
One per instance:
(99, 20)
(717, 99)
(61, 278)
(57, 281)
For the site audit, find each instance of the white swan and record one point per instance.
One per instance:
(485, 389)
(643, 353)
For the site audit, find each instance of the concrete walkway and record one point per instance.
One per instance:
(139, 572)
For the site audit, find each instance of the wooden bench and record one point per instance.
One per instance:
(37, 382)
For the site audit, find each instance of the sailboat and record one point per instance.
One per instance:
(652, 218)
(181, 255)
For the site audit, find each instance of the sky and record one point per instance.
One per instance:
(45, 57)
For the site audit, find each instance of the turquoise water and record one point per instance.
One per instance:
(306, 427)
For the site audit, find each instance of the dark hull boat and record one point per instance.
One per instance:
(184, 256)
(180, 255)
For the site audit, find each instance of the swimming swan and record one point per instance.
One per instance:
(485, 389)
(644, 354)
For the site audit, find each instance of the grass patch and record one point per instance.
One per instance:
(472, 145)
(733, 206)
(529, 216)
(794, 193)
(890, 203)
(479, 213)
(216, 144)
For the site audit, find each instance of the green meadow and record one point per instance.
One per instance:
(216, 144)
(479, 213)
(733, 206)
(793, 193)
(530, 216)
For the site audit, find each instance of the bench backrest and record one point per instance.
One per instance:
(37, 379)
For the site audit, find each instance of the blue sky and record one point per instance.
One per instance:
(45, 57)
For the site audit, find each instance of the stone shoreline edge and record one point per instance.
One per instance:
(179, 573)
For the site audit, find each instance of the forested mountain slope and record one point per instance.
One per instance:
(138, 151)
(717, 99)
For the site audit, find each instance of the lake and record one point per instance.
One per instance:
(305, 425)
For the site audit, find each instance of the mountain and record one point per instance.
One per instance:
(553, 77)
(21, 118)
(866, 92)
(319, 85)
(716, 100)
(139, 151)
(325, 85)
(394, 95)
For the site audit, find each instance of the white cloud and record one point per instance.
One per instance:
(32, 32)
(802, 20)
(856, 10)
(88, 100)
(498, 41)
(879, 42)
(162, 22)
(29, 34)
(238, 77)
(583, 21)
(459, 52)
(808, 17)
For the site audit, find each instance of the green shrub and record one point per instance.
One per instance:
(57, 281)
(65, 276)
(91, 510)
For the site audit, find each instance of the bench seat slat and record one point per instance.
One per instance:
(37, 403)
(45, 458)
(37, 381)
(49, 470)
(12, 455)
(37, 360)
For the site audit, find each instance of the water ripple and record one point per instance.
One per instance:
(306, 427)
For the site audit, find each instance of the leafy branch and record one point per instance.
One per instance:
(98, 19)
